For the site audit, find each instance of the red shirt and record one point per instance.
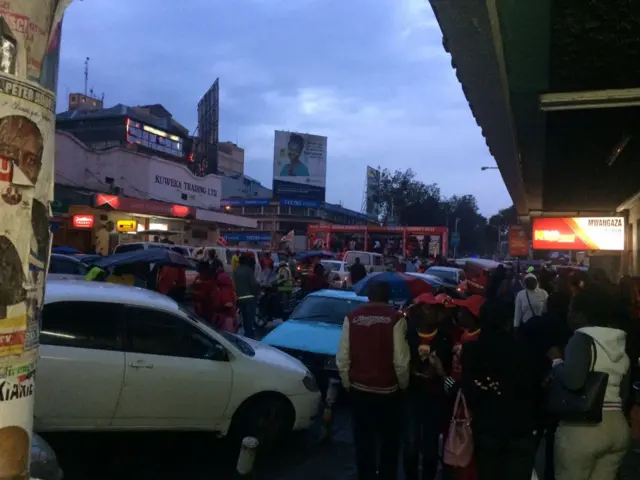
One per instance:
(456, 365)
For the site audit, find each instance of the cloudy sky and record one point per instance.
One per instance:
(370, 75)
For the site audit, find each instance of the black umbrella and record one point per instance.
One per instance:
(159, 256)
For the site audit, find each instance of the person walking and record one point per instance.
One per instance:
(502, 390)
(593, 451)
(247, 290)
(530, 302)
(427, 406)
(284, 281)
(373, 361)
(357, 271)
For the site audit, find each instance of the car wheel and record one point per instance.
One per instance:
(266, 417)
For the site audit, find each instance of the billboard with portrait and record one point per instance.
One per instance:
(299, 166)
(373, 187)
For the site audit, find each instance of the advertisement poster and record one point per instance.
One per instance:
(580, 233)
(299, 166)
(30, 44)
(518, 241)
(373, 186)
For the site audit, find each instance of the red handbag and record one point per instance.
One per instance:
(458, 448)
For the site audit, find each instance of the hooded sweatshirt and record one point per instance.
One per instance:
(529, 303)
(611, 358)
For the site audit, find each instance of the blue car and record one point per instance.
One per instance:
(312, 333)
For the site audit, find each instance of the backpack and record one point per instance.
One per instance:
(226, 291)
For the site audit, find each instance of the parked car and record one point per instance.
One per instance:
(66, 267)
(114, 357)
(312, 333)
(451, 275)
(338, 273)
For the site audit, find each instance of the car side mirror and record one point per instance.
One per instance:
(218, 354)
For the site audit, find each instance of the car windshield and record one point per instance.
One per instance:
(235, 340)
(331, 265)
(325, 309)
(446, 275)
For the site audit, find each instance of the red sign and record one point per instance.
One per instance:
(148, 207)
(6, 170)
(83, 221)
(518, 242)
(579, 233)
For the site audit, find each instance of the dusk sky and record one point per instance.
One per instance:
(372, 76)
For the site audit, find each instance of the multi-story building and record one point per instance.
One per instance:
(230, 159)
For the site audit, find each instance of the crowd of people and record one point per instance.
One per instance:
(537, 358)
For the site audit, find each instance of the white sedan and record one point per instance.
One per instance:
(124, 358)
(338, 273)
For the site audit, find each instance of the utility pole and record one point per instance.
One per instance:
(86, 76)
(27, 131)
(455, 245)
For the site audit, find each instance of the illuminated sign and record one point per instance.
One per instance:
(163, 227)
(83, 221)
(126, 226)
(151, 137)
(518, 241)
(579, 233)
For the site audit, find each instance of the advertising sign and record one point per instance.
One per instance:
(373, 187)
(299, 166)
(147, 207)
(518, 241)
(126, 226)
(206, 161)
(83, 221)
(580, 233)
(29, 54)
(172, 182)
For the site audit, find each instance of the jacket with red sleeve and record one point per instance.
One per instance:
(373, 355)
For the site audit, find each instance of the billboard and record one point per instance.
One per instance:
(206, 157)
(518, 241)
(373, 186)
(299, 166)
(579, 233)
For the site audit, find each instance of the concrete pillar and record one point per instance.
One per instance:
(30, 33)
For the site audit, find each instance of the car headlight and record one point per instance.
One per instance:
(309, 382)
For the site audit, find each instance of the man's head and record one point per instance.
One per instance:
(21, 142)
(295, 147)
(530, 281)
(379, 292)
(357, 261)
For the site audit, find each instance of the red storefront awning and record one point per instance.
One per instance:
(145, 207)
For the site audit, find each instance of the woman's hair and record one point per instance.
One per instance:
(494, 316)
(596, 303)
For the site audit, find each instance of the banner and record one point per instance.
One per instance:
(373, 187)
(580, 233)
(518, 241)
(299, 166)
(29, 53)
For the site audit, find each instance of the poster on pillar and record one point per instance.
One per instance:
(29, 53)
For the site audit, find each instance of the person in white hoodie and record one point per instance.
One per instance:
(593, 451)
(530, 302)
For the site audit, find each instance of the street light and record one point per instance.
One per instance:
(488, 168)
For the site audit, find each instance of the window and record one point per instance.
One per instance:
(377, 260)
(160, 333)
(128, 248)
(83, 325)
(66, 266)
(324, 309)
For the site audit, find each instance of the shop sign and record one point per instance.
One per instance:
(579, 233)
(518, 241)
(126, 226)
(147, 207)
(247, 237)
(83, 221)
(176, 183)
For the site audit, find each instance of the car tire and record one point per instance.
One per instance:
(267, 417)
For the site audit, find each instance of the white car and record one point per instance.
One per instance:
(123, 358)
(338, 273)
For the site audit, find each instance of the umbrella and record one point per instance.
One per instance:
(315, 253)
(159, 256)
(403, 286)
(65, 250)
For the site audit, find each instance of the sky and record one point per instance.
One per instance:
(372, 76)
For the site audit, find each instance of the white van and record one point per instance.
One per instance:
(373, 262)
(225, 255)
(132, 247)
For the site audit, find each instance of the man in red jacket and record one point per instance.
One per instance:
(373, 360)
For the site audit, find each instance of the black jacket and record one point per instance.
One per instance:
(502, 386)
(358, 272)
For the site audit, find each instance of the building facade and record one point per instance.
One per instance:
(230, 159)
